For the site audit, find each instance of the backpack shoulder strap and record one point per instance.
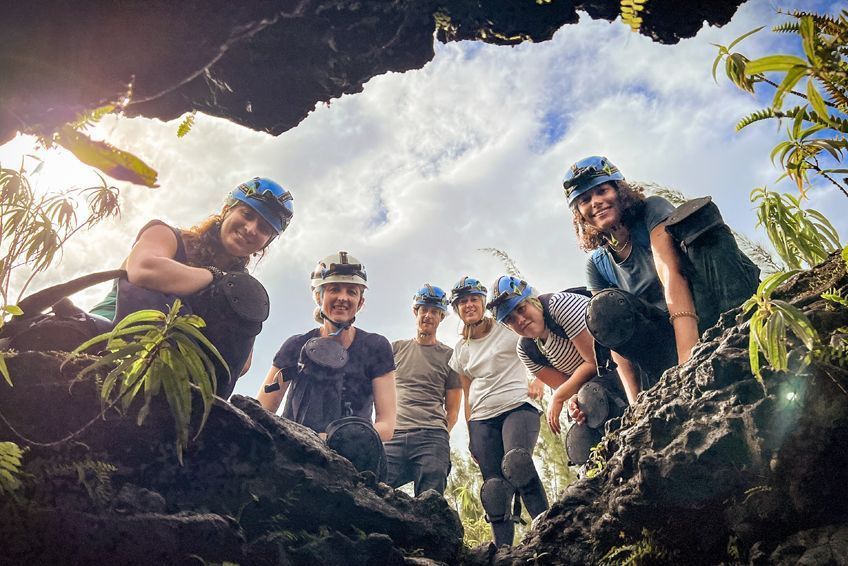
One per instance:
(603, 264)
(532, 351)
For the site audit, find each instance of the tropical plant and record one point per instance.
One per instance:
(10, 467)
(34, 228)
(149, 351)
(644, 551)
(73, 136)
(768, 325)
(798, 234)
(187, 124)
(818, 125)
(462, 494)
(95, 476)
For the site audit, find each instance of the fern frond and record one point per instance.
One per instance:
(787, 27)
(186, 124)
(670, 194)
(758, 116)
(839, 98)
(509, 265)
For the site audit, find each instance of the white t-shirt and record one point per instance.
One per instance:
(498, 378)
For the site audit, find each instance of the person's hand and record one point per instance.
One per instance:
(554, 411)
(574, 411)
(536, 389)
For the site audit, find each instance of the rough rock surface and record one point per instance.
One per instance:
(261, 64)
(254, 488)
(711, 467)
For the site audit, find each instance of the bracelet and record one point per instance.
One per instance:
(680, 314)
(217, 274)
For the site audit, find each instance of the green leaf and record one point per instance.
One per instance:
(13, 310)
(774, 63)
(793, 75)
(116, 163)
(186, 124)
(816, 100)
(4, 370)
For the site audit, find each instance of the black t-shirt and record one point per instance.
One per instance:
(369, 356)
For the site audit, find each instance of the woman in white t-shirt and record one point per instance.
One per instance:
(503, 420)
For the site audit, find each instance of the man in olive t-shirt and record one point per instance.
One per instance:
(428, 398)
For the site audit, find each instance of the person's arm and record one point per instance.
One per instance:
(466, 387)
(453, 399)
(678, 296)
(627, 374)
(151, 265)
(568, 392)
(271, 401)
(536, 388)
(585, 344)
(385, 405)
(247, 363)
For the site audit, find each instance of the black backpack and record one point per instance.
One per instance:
(66, 327)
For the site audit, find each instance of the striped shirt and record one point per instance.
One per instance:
(569, 311)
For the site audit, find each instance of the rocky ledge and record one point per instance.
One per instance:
(253, 489)
(261, 64)
(711, 467)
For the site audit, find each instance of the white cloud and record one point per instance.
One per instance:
(465, 153)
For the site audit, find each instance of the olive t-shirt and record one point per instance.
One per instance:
(637, 274)
(423, 379)
(369, 357)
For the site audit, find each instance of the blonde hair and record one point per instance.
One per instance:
(487, 321)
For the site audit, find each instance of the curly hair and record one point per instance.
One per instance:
(632, 199)
(203, 245)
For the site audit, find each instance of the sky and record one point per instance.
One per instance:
(420, 171)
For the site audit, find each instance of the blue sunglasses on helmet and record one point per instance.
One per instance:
(270, 200)
(587, 174)
(508, 292)
(429, 295)
(467, 286)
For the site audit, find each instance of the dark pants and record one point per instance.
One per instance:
(421, 456)
(636, 330)
(491, 439)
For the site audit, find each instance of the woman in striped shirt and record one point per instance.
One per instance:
(556, 347)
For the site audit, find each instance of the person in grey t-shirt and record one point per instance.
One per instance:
(428, 397)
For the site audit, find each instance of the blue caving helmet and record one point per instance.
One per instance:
(587, 174)
(467, 286)
(270, 200)
(431, 296)
(507, 293)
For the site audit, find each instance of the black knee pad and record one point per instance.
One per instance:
(496, 496)
(579, 441)
(611, 318)
(357, 440)
(592, 399)
(518, 468)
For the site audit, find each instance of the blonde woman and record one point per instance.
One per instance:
(503, 420)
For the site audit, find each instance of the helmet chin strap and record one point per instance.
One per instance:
(340, 326)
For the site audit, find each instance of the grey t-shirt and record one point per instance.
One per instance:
(423, 378)
(637, 274)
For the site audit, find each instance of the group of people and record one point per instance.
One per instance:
(656, 277)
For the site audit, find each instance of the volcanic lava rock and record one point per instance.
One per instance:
(260, 64)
